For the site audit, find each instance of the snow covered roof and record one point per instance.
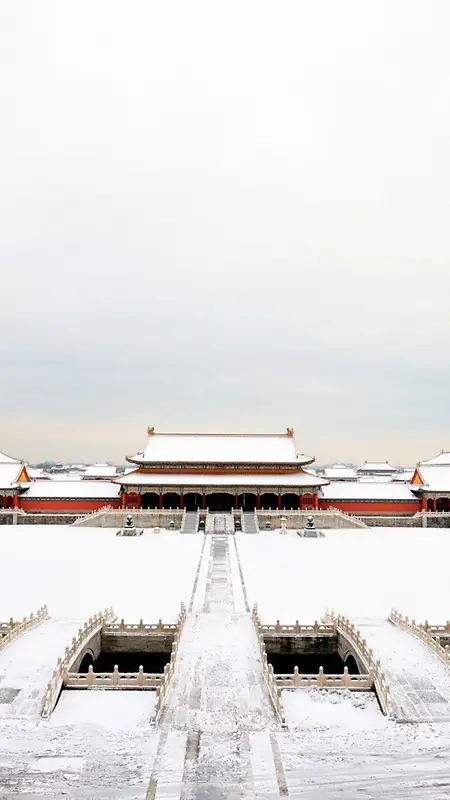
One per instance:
(290, 479)
(435, 478)
(404, 475)
(376, 466)
(100, 471)
(37, 474)
(4, 459)
(10, 474)
(76, 489)
(367, 491)
(218, 448)
(443, 459)
(339, 472)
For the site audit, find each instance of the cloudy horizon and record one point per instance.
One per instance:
(225, 217)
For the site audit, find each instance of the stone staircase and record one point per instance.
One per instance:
(190, 522)
(219, 523)
(249, 522)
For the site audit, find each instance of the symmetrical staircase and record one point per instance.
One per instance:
(190, 522)
(249, 522)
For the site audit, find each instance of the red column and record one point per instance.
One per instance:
(181, 500)
(124, 500)
(315, 502)
(423, 504)
(300, 502)
(160, 500)
(279, 502)
(258, 501)
(139, 500)
(203, 501)
(15, 501)
(236, 500)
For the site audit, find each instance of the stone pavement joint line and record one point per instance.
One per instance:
(218, 702)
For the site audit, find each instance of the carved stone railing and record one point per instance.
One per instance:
(317, 629)
(349, 631)
(322, 681)
(12, 630)
(140, 627)
(85, 633)
(111, 680)
(428, 634)
(163, 688)
(267, 671)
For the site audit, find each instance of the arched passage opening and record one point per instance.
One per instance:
(149, 500)
(289, 501)
(430, 504)
(220, 501)
(269, 500)
(352, 666)
(247, 501)
(192, 501)
(87, 661)
(171, 500)
(443, 504)
(8, 502)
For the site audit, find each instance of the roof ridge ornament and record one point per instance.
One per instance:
(150, 431)
(290, 433)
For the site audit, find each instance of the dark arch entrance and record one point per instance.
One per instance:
(247, 501)
(430, 504)
(289, 501)
(220, 501)
(149, 500)
(171, 500)
(443, 504)
(192, 501)
(87, 662)
(269, 500)
(352, 666)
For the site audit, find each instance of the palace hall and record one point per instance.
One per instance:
(220, 472)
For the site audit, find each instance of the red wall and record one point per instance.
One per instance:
(373, 509)
(65, 506)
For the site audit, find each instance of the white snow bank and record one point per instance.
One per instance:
(340, 708)
(105, 709)
(360, 573)
(78, 571)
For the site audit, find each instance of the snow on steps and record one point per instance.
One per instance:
(428, 634)
(71, 653)
(419, 682)
(365, 654)
(27, 665)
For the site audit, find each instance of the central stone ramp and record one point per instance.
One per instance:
(419, 681)
(218, 697)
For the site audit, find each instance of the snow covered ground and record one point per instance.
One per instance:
(357, 572)
(78, 571)
(99, 745)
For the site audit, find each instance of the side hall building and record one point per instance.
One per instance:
(220, 472)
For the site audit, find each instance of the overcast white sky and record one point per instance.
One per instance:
(225, 216)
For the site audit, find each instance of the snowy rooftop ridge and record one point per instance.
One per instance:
(377, 466)
(4, 459)
(221, 448)
(443, 459)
